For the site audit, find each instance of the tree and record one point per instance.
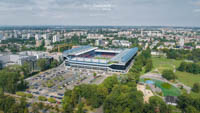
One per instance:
(157, 105)
(168, 74)
(123, 99)
(80, 108)
(54, 63)
(110, 82)
(196, 87)
(42, 64)
(191, 109)
(182, 66)
(149, 65)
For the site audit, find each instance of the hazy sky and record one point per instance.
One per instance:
(100, 12)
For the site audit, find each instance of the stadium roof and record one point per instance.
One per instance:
(79, 50)
(125, 55)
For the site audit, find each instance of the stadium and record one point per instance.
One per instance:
(93, 58)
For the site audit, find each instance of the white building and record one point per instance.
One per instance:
(122, 43)
(124, 33)
(56, 38)
(181, 42)
(38, 37)
(95, 36)
(45, 36)
(29, 35)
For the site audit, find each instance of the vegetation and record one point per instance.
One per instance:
(51, 100)
(45, 64)
(187, 78)
(12, 79)
(189, 67)
(167, 89)
(196, 87)
(168, 74)
(188, 103)
(42, 98)
(22, 94)
(162, 63)
(149, 66)
(9, 104)
(193, 55)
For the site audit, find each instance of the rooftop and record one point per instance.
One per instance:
(79, 50)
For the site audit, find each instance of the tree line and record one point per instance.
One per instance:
(12, 79)
(189, 67)
(193, 55)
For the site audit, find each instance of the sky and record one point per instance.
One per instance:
(101, 12)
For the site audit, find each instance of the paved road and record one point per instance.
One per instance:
(159, 77)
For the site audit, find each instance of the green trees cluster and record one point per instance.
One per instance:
(9, 104)
(115, 95)
(45, 64)
(168, 74)
(188, 103)
(189, 67)
(196, 87)
(142, 60)
(93, 94)
(183, 54)
(12, 79)
(124, 99)
(156, 105)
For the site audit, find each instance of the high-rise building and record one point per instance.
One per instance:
(56, 38)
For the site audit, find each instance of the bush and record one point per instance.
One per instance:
(168, 74)
(42, 98)
(29, 95)
(22, 94)
(51, 100)
(196, 87)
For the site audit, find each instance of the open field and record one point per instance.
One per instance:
(188, 78)
(163, 63)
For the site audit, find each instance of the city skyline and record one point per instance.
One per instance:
(104, 12)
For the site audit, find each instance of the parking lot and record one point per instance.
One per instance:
(54, 82)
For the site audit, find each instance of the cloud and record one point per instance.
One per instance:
(197, 10)
(197, 3)
(101, 7)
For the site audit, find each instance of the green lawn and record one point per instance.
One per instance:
(163, 63)
(188, 78)
(103, 58)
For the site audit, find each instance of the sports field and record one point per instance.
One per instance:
(167, 89)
